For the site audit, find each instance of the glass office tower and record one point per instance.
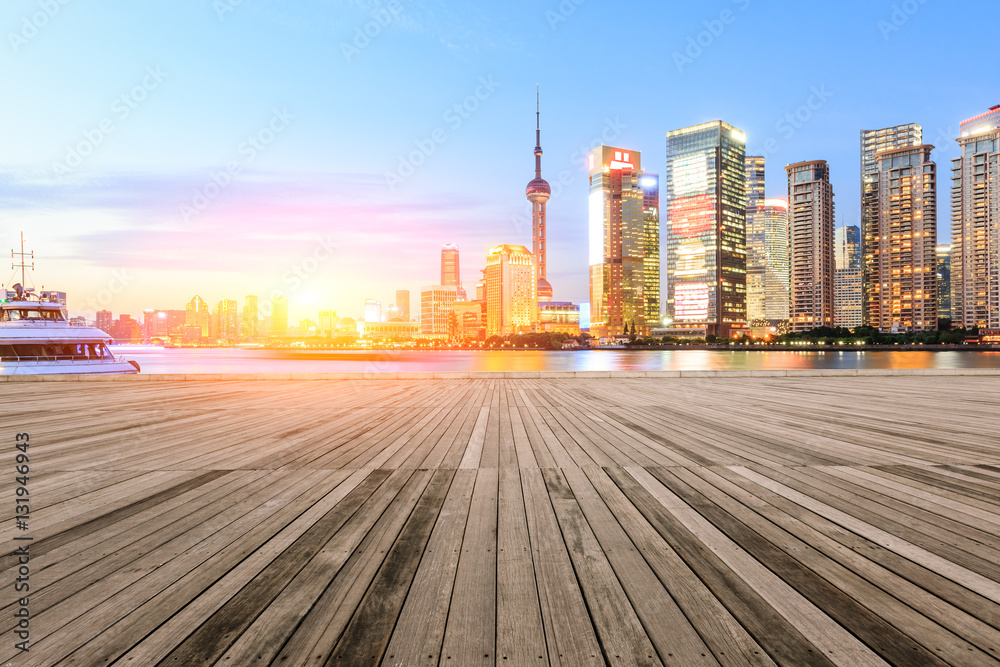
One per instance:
(705, 201)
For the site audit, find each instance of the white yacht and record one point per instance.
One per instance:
(37, 339)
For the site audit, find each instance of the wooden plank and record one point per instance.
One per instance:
(365, 639)
(417, 637)
(470, 635)
(520, 638)
(569, 633)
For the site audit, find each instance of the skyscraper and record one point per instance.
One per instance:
(810, 220)
(511, 290)
(944, 281)
(437, 306)
(847, 292)
(754, 169)
(650, 184)
(756, 239)
(279, 316)
(872, 143)
(197, 314)
(403, 303)
(706, 229)
(251, 318)
(900, 255)
(975, 223)
(767, 262)
(226, 321)
(451, 273)
(538, 192)
(617, 231)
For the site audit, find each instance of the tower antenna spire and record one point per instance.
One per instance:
(538, 134)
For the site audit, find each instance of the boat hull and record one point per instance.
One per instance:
(67, 368)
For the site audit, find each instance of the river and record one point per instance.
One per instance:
(239, 360)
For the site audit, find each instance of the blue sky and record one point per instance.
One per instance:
(237, 147)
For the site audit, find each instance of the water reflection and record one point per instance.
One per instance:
(236, 360)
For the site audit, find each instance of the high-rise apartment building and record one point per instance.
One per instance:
(279, 317)
(617, 241)
(538, 193)
(975, 223)
(705, 201)
(437, 306)
(451, 273)
(872, 143)
(900, 253)
(511, 290)
(403, 303)
(847, 292)
(943, 253)
(650, 184)
(810, 221)
(251, 317)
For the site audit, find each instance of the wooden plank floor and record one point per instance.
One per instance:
(789, 521)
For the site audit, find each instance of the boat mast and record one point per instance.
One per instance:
(22, 254)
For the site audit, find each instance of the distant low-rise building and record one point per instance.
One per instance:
(395, 331)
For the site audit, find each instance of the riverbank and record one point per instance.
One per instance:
(510, 375)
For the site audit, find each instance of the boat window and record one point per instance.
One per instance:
(30, 351)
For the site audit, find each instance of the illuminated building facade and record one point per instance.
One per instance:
(559, 317)
(975, 223)
(943, 253)
(251, 318)
(872, 143)
(847, 292)
(104, 320)
(451, 272)
(437, 303)
(279, 317)
(901, 254)
(811, 261)
(469, 321)
(767, 262)
(753, 166)
(126, 330)
(390, 331)
(705, 202)
(617, 242)
(756, 249)
(162, 324)
(327, 322)
(198, 315)
(650, 184)
(538, 193)
(403, 303)
(511, 290)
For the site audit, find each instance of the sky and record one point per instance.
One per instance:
(325, 150)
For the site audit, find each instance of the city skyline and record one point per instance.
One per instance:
(308, 110)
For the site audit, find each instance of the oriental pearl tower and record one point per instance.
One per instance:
(538, 192)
